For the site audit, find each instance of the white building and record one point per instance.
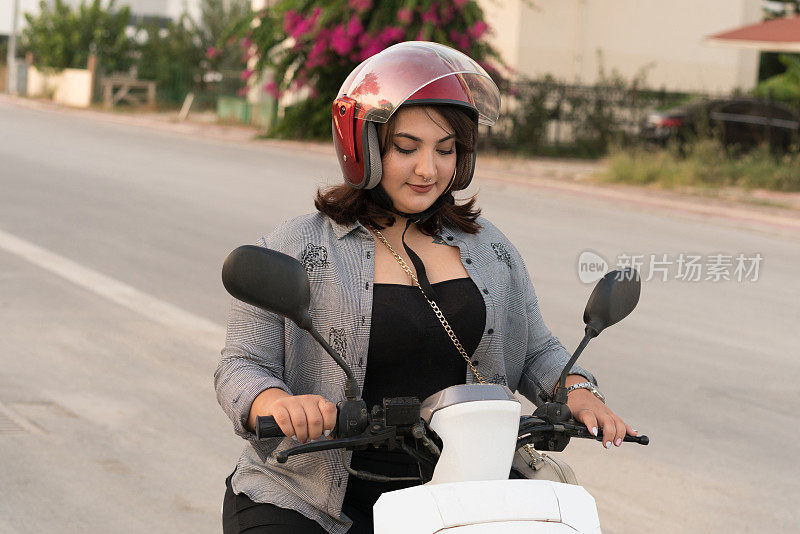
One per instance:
(563, 38)
(157, 8)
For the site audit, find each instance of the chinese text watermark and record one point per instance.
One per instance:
(685, 267)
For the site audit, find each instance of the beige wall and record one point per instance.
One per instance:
(562, 37)
(70, 87)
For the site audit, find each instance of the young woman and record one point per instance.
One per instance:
(382, 250)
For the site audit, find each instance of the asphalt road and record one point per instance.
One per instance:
(112, 316)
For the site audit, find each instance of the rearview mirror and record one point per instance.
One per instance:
(270, 280)
(614, 297)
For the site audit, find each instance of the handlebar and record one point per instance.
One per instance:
(266, 427)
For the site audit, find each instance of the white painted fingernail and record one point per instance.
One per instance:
(635, 431)
(594, 431)
(327, 433)
(295, 438)
(608, 444)
(618, 442)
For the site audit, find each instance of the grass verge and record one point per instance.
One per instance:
(704, 164)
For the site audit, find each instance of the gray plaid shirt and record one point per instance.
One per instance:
(263, 350)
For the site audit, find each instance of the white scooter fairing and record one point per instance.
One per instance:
(470, 491)
(488, 507)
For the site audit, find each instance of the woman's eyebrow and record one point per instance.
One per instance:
(415, 138)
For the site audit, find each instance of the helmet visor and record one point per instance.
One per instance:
(381, 83)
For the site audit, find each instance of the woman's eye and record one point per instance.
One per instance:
(409, 151)
(403, 150)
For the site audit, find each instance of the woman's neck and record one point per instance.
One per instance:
(395, 232)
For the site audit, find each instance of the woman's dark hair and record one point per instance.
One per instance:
(346, 205)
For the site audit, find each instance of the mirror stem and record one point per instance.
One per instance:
(351, 390)
(561, 389)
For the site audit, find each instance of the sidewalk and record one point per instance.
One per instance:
(766, 211)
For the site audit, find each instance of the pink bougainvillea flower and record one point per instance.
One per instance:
(460, 41)
(370, 45)
(272, 89)
(448, 13)
(291, 20)
(431, 16)
(211, 53)
(246, 43)
(315, 57)
(246, 73)
(391, 34)
(420, 36)
(354, 28)
(360, 5)
(477, 30)
(303, 27)
(405, 15)
(340, 42)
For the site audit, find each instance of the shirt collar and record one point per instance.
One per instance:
(341, 230)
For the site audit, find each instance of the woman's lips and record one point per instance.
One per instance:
(420, 188)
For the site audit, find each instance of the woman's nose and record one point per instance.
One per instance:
(426, 168)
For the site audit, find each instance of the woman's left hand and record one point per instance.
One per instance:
(598, 417)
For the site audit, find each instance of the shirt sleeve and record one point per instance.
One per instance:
(252, 361)
(545, 357)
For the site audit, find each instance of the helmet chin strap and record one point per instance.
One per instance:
(379, 195)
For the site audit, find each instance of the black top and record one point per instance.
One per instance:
(410, 354)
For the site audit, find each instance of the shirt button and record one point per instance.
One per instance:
(369, 254)
(490, 331)
(485, 291)
(475, 362)
(366, 286)
(468, 261)
(363, 319)
(449, 238)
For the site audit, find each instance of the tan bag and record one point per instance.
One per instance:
(536, 466)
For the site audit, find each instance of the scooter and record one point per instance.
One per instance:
(463, 437)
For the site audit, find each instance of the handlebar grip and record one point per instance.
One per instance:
(641, 440)
(266, 427)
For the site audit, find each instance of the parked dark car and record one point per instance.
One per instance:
(742, 122)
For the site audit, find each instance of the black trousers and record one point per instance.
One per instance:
(240, 515)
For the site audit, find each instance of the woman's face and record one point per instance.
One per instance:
(420, 160)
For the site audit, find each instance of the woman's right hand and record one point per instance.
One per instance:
(302, 417)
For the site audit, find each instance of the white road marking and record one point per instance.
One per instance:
(199, 329)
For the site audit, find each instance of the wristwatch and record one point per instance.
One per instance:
(587, 385)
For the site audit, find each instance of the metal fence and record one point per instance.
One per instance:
(546, 117)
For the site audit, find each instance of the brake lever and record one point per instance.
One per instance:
(374, 434)
(583, 432)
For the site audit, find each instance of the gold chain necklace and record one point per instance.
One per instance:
(434, 307)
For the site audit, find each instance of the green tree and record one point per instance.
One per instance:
(784, 86)
(315, 45)
(177, 56)
(61, 37)
(216, 18)
(172, 57)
